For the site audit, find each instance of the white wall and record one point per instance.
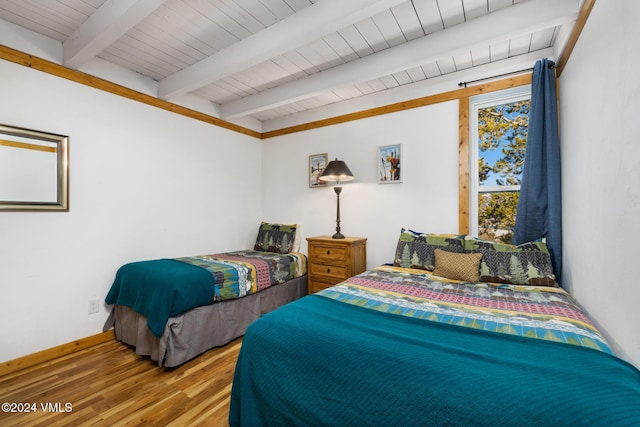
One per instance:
(599, 104)
(144, 183)
(426, 200)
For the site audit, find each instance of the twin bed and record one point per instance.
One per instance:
(175, 309)
(457, 332)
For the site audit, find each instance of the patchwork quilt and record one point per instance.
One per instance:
(540, 312)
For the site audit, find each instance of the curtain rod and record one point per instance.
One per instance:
(461, 84)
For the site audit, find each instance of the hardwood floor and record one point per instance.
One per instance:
(109, 384)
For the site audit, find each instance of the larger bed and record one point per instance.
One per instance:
(404, 345)
(175, 309)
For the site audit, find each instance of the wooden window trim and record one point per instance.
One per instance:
(464, 144)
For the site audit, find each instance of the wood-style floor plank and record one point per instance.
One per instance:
(108, 384)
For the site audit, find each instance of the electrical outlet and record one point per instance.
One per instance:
(93, 306)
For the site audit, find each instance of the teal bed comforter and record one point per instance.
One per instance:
(361, 355)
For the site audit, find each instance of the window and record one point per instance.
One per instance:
(498, 135)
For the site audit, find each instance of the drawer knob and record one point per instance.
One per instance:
(328, 252)
(328, 270)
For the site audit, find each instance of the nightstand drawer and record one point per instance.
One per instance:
(328, 253)
(316, 285)
(337, 271)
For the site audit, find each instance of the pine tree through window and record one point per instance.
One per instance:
(499, 128)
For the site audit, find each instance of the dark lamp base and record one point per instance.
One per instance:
(338, 236)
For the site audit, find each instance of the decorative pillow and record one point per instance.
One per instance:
(416, 250)
(526, 264)
(297, 240)
(277, 238)
(458, 266)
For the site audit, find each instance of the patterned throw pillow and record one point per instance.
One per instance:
(416, 250)
(526, 264)
(458, 266)
(277, 238)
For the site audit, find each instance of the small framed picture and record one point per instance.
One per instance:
(389, 164)
(317, 163)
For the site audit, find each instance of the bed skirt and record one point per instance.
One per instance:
(198, 330)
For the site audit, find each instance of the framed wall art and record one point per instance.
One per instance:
(389, 164)
(317, 163)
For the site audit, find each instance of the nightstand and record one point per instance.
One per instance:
(333, 260)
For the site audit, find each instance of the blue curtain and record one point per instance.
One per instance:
(540, 207)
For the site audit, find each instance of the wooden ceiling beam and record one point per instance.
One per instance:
(522, 18)
(106, 25)
(307, 25)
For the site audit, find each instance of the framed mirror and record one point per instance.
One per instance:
(34, 170)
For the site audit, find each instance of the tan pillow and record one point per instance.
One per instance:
(457, 266)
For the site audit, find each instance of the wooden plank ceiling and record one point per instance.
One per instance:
(271, 58)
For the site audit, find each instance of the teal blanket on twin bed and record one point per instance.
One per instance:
(321, 362)
(165, 288)
(160, 289)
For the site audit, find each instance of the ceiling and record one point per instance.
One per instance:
(267, 59)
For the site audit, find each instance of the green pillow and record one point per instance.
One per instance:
(526, 264)
(276, 238)
(417, 250)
